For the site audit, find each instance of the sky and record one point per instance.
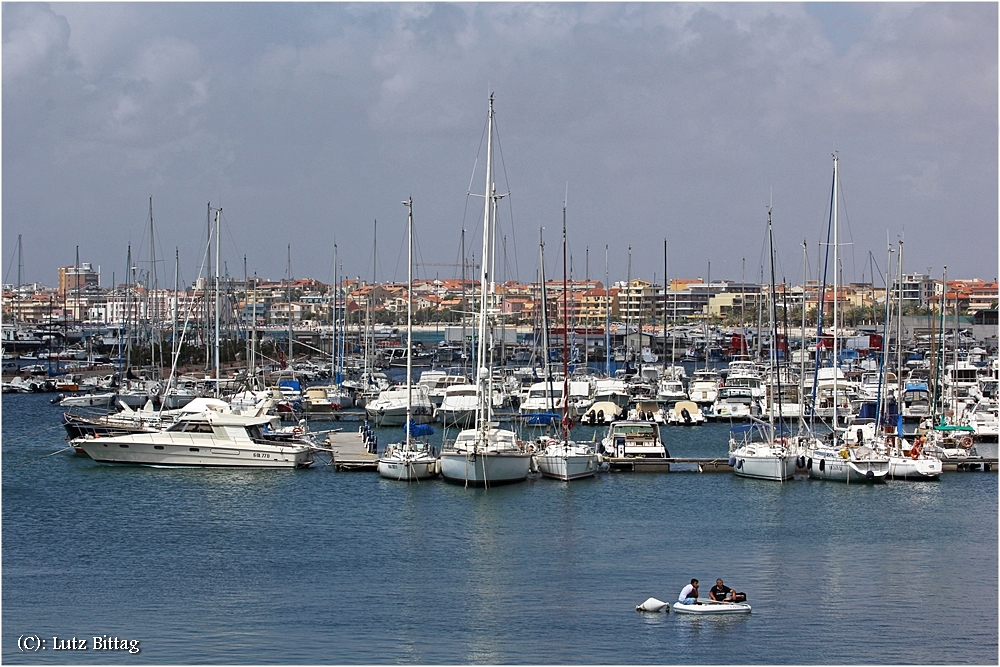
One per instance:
(653, 123)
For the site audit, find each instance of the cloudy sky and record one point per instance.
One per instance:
(307, 122)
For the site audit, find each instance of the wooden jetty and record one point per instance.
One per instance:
(695, 464)
(970, 464)
(349, 452)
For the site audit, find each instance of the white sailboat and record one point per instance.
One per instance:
(408, 461)
(832, 458)
(564, 459)
(755, 451)
(486, 455)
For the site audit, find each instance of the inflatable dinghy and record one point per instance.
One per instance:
(712, 607)
(652, 604)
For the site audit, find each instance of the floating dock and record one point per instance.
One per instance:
(693, 464)
(349, 452)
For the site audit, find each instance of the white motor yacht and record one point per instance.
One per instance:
(389, 409)
(633, 439)
(458, 407)
(207, 439)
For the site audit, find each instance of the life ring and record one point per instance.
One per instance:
(297, 430)
(965, 442)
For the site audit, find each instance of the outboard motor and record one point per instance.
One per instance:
(686, 415)
(600, 417)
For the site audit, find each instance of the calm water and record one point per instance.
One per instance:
(314, 566)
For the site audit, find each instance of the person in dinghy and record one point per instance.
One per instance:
(689, 594)
(722, 593)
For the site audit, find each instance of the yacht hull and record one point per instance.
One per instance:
(831, 466)
(489, 469)
(146, 449)
(904, 467)
(408, 470)
(775, 468)
(567, 466)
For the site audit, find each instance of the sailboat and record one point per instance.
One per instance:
(766, 457)
(486, 455)
(834, 458)
(408, 461)
(564, 459)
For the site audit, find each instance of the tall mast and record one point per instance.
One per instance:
(836, 264)
(901, 386)
(665, 282)
(773, 316)
(173, 324)
(208, 272)
(465, 356)
(547, 376)
(628, 318)
(218, 213)
(565, 413)
(803, 350)
(607, 316)
(20, 278)
(409, 315)
(483, 375)
(336, 318)
(288, 297)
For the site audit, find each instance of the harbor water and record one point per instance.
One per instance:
(322, 567)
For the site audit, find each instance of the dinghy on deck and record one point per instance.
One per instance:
(712, 607)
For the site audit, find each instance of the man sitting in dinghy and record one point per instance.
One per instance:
(689, 594)
(722, 593)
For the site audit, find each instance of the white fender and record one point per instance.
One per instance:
(652, 604)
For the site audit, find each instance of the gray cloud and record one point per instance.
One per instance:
(307, 121)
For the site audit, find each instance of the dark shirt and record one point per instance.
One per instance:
(720, 592)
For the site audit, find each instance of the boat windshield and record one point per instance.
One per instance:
(634, 430)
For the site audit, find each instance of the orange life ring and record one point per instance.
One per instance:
(965, 442)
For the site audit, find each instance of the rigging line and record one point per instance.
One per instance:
(44, 457)
(510, 204)
(10, 264)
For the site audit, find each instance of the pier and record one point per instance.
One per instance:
(701, 464)
(349, 453)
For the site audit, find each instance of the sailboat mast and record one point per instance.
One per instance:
(836, 265)
(174, 348)
(288, 297)
(901, 386)
(773, 316)
(565, 396)
(409, 315)
(880, 408)
(483, 375)
(665, 282)
(218, 212)
(547, 376)
(607, 316)
(803, 350)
